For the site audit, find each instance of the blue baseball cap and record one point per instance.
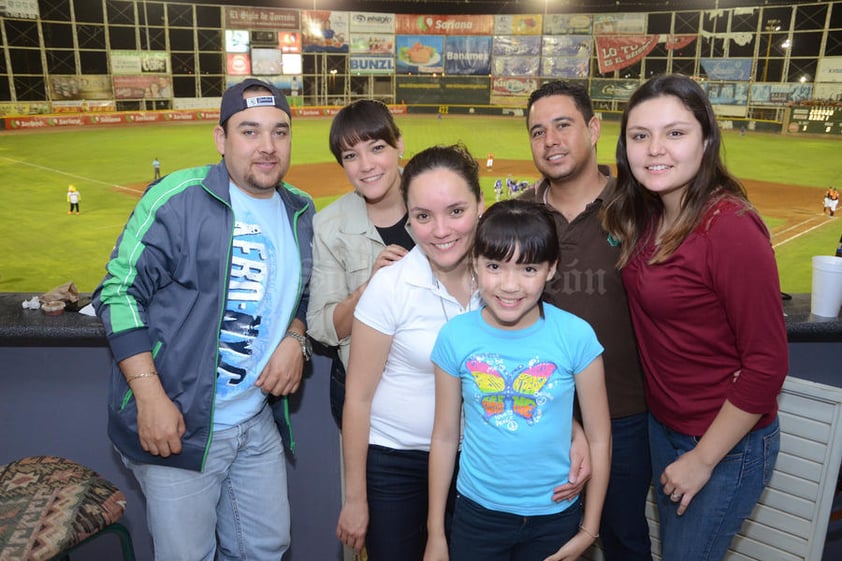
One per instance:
(233, 101)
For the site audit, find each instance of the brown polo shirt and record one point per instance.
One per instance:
(588, 284)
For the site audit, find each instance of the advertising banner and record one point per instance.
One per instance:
(726, 93)
(266, 62)
(419, 54)
(780, 94)
(325, 31)
(108, 118)
(139, 62)
(563, 24)
(289, 41)
(463, 90)
(738, 69)
(81, 120)
(469, 55)
(507, 45)
(830, 69)
(292, 64)
(619, 23)
(372, 64)
(25, 108)
(512, 92)
(519, 24)
(369, 22)
(615, 52)
(88, 86)
(516, 65)
(828, 92)
(84, 106)
(289, 85)
(260, 18)
(566, 56)
(142, 87)
(565, 66)
(372, 43)
(408, 24)
(566, 45)
(23, 9)
(238, 64)
(612, 90)
(236, 41)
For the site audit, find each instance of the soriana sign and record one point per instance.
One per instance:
(407, 24)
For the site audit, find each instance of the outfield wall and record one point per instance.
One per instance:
(79, 56)
(43, 122)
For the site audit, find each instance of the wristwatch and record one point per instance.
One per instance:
(306, 347)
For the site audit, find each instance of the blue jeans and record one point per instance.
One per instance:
(480, 534)
(624, 529)
(241, 497)
(396, 482)
(705, 531)
(397, 486)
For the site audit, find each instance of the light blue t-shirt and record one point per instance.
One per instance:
(262, 290)
(517, 391)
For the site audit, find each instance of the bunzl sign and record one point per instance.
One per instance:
(372, 65)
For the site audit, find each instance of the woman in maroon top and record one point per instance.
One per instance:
(704, 297)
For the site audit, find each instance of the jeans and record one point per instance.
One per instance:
(480, 534)
(705, 530)
(240, 497)
(624, 529)
(396, 482)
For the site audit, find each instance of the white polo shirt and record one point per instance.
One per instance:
(406, 301)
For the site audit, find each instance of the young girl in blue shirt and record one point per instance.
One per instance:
(514, 365)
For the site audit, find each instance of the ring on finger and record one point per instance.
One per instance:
(675, 495)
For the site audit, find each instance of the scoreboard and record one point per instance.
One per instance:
(816, 119)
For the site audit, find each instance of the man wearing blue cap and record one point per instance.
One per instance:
(204, 306)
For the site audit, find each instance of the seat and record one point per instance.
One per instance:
(49, 506)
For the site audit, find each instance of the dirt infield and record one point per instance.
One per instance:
(798, 208)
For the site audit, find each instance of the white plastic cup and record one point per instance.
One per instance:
(826, 298)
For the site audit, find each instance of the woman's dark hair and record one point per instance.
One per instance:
(631, 208)
(455, 158)
(516, 226)
(364, 119)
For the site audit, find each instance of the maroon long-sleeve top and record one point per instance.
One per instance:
(711, 310)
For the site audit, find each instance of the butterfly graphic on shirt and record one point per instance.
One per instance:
(516, 393)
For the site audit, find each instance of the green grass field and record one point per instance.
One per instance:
(43, 247)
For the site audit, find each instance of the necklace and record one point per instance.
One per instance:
(439, 287)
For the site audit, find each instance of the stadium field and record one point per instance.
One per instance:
(43, 247)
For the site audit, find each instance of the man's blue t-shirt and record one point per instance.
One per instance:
(262, 290)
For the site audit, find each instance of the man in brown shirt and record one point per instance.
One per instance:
(563, 131)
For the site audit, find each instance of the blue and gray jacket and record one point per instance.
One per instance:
(165, 293)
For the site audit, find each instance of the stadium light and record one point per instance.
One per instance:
(772, 25)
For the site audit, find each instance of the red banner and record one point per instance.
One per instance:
(406, 24)
(619, 51)
(678, 42)
(138, 117)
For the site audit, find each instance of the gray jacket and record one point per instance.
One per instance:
(165, 293)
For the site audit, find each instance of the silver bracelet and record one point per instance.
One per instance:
(585, 531)
(148, 374)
